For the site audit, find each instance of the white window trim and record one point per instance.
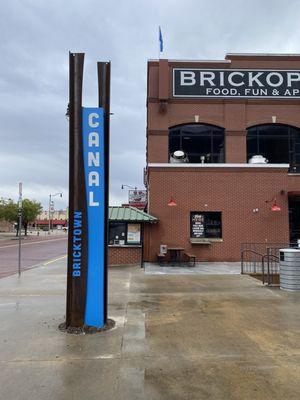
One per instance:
(217, 165)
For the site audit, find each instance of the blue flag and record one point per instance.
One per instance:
(161, 42)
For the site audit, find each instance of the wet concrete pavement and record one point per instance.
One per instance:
(177, 337)
(201, 268)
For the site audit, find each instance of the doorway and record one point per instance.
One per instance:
(294, 218)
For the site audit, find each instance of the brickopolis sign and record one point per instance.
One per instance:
(243, 83)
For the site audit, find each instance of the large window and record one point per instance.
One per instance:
(206, 225)
(124, 233)
(294, 218)
(278, 143)
(201, 143)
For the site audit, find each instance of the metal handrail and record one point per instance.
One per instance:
(242, 257)
(263, 257)
(266, 255)
(268, 266)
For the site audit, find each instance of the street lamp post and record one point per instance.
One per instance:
(130, 187)
(50, 207)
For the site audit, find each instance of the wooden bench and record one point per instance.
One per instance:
(160, 257)
(190, 258)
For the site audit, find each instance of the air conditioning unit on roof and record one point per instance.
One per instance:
(178, 156)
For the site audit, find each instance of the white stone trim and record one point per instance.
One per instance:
(264, 54)
(217, 165)
(193, 61)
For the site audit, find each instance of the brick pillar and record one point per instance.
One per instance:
(235, 132)
(235, 147)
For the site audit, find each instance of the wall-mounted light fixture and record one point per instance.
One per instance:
(274, 207)
(130, 187)
(172, 202)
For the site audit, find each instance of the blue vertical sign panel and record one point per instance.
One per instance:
(94, 172)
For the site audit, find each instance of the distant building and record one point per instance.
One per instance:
(58, 219)
(58, 215)
(6, 226)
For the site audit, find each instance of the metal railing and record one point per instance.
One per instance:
(262, 260)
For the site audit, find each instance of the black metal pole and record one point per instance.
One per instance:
(103, 69)
(142, 243)
(76, 282)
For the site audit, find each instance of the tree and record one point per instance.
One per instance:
(8, 210)
(30, 210)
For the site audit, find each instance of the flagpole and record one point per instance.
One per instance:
(158, 45)
(160, 42)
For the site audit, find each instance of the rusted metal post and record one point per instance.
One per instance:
(76, 284)
(103, 69)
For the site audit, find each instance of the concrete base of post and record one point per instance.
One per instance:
(86, 329)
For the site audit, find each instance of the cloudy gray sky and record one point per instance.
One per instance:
(36, 36)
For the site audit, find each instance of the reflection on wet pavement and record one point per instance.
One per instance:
(177, 336)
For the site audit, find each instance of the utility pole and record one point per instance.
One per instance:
(49, 214)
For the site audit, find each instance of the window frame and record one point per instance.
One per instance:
(206, 215)
(205, 130)
(125, 237)
(289, 132)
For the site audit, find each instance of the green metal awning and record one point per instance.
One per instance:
(129, 214)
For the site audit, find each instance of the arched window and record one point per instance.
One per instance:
(278, 143)
(202, 143)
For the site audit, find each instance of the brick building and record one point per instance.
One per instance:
(223, 144)
(128, 226)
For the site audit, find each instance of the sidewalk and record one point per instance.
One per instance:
(177, 337)
(200, 268)
(32, 235)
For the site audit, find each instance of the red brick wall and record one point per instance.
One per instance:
(155, 144)
(235, 115)
(235, 147)
(124, 255)
(233, 191)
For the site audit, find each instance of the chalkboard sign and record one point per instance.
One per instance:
(206, 224)
(197, 226)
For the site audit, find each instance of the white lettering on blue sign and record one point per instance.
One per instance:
(93, 157)
(95, 184)
(76, 248)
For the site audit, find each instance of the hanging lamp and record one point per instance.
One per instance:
(172, 202)
(275, 207)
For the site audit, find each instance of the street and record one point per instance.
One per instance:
(35, 251)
